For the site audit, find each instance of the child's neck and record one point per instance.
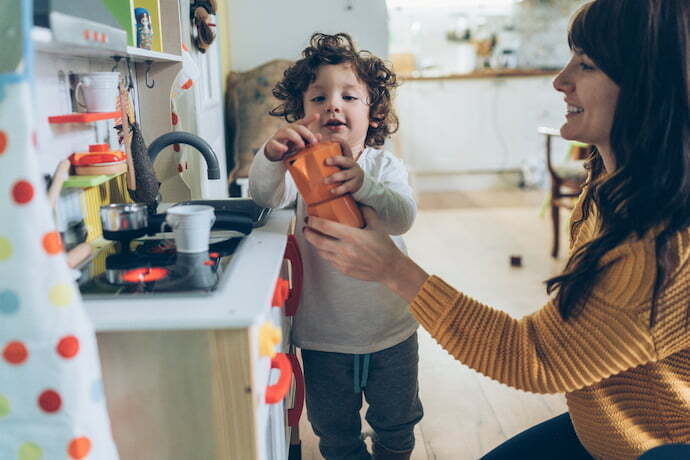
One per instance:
(357, 152)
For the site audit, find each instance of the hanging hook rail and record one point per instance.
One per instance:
(130, 79)
(117, 62)
(149, 83)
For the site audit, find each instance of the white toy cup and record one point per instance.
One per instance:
(99, 91)
(192, 226)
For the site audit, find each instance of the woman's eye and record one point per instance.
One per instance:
(585, 66)
(317, 99)
(350, 98)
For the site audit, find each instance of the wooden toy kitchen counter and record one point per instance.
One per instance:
(207, 375)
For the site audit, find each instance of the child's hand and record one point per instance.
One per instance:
(291, 138)
(350, 178)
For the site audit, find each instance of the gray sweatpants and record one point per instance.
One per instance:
(390, 387)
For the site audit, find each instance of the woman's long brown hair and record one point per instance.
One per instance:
(643, 46)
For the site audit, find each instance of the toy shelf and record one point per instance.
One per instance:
(88, 181)
(85, 117)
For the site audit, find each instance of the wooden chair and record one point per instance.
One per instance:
(249, 98)
(566, 180)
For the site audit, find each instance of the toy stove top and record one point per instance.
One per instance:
(153, 266)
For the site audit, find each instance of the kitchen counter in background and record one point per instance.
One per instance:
(487, 73)
(477, 130)
(244, 292)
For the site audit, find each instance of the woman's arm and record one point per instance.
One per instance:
(539, 353)
(367, 254)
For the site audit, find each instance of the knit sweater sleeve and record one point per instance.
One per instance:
(541, 352)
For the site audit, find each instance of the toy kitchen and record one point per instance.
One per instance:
(191, 293)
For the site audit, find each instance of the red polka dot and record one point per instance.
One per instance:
(176, 147)
(34, 139)
(3, 142)
(22, 192)
(50, 401)
(15, 353)
(79, 448)
(52, 243)
(68, 347)
(175, 119)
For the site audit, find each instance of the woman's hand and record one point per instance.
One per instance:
(291, 138)
(367, 254)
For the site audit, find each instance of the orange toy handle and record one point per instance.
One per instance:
(277, 392)
(280, 293)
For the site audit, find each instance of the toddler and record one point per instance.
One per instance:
(357, 338)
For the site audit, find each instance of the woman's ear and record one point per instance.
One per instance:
(374, 124)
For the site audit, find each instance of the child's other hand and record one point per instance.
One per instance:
(350, 179)
(291, 138)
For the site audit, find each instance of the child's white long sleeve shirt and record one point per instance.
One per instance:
(338, 313)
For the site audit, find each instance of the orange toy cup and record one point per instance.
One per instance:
(308, 169)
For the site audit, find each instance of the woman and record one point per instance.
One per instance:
(615, 338)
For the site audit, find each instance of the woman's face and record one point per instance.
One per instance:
(590, 97)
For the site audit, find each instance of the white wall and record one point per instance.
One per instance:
(264, 30)
(455, 129)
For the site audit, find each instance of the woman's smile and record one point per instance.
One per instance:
(573, 110)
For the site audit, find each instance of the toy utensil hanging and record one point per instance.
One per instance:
(142, 184)
(147, 185)
(125, 133)
(202, 14)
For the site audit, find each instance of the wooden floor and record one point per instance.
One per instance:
(467, 238)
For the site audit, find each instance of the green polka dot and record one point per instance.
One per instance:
(4, 406)
(30, 451)
(61, 295)
(5, 248)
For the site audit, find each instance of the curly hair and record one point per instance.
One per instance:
(327, 49)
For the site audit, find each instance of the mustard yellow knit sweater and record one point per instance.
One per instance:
(627, 386)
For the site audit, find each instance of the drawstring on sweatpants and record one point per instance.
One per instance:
(359, 384)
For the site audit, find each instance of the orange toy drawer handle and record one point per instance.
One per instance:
(280, 293)
(295, 413)
(277, 392)
(292, 254)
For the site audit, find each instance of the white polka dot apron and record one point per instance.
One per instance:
(52, 404)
